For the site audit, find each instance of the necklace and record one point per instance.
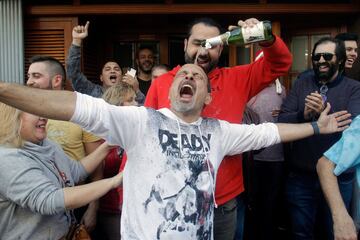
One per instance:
(323, 90)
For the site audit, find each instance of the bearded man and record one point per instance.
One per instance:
(145, 61)
(308, 97)
(173, 154)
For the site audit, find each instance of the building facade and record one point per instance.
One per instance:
(119, 27)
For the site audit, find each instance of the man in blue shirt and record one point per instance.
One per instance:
(344, 155)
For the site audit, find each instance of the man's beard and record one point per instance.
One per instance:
(182, 107)
(211, 65)
(145, 69)
(326, 76)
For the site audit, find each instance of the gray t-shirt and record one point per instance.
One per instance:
(263, 104)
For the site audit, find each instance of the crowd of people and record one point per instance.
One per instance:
(158, 155)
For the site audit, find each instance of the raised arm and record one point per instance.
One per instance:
(54, 104)
(276, 62)
(73, 68)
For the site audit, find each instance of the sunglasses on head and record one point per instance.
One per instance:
(326, 56)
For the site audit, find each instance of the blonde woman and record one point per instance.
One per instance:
(121, 94)
(37, 179)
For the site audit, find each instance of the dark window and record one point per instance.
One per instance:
(122, 2)
(124, 52)
(176, 51)
(309, 1)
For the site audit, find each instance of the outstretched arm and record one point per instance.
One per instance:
(54, 104)
(92, 161)
(326, 124)
(344, 227)
(81, 195)
(90, 215)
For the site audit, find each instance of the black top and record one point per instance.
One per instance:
(343, 94)
(144, 85)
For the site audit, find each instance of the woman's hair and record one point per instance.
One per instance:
(10, 124)
(115, 94)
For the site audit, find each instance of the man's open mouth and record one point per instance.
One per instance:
(202, 60)
(187, 91)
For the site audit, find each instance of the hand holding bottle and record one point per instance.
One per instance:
(248, 23)
(248, 31)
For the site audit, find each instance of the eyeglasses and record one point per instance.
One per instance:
(326, 56)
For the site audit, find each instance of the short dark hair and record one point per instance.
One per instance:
(54, 66)
(105, 61)
(142, 48)
(206, 21)
(347, 37)
(340, 50)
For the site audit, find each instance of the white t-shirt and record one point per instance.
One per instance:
(170, 172)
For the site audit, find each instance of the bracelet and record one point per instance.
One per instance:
(315, 127)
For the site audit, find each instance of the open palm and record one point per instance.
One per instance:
(335, 122)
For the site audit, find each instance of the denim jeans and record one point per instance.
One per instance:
(225, 221)
(307, 203)
(240, 217)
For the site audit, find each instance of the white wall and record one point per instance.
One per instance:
(11, 41)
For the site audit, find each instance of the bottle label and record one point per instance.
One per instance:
(211, 42)
(253, 34)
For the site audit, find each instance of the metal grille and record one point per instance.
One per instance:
(11, 42)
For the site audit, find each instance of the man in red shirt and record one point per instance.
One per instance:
(231, 89)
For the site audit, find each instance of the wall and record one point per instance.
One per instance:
(11, 42)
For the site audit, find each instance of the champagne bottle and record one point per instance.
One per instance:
(241, 36)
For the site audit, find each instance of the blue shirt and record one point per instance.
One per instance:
(345, 153)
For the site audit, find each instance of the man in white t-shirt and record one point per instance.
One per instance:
(173, 154)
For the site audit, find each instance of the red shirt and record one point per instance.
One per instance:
(112, 201)
(231, 89)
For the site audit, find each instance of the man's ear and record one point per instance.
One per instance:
(57, 81)
(101, 78)
(208, 99)
(185, 44)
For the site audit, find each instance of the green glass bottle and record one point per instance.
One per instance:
(242, 36)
